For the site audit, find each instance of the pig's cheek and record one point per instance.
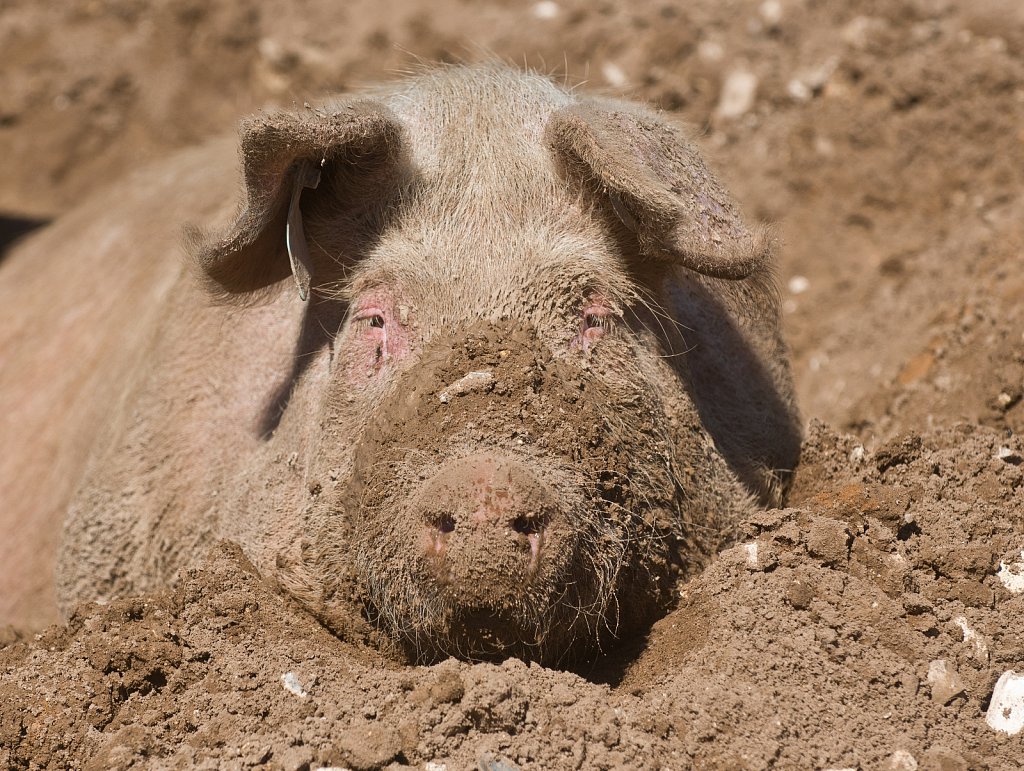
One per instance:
(362, 358)
(371, 354)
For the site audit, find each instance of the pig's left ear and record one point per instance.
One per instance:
(658, 185)
(282, 154)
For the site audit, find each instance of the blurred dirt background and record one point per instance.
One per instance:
(865, 627)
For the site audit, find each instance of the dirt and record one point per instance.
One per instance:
(865, 626)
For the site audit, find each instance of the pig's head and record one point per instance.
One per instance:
(506, 459)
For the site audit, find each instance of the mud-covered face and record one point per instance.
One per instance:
(514, 490)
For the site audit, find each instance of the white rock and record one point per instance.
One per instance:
(613, 74)
(799, 90)
(738, 93)
(471, 381)
(799, 284)
(751, 550)
(432, 766)
(970, 636)
(545, 10)
(1006, 710)
(945, 681)
(1012, 575)
(291, 684)
(1008, 455)
(771, 12)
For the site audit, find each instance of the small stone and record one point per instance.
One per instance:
(756, 555)
(771, 13)
(1007, 455)
(751, 551)
(799, 284)
(1011, 575)
(975, 639)
(1006, 709)
(545, 9)
(945, 681)
(738, 94)
(291, 684)
(799, 90)
(614, 74)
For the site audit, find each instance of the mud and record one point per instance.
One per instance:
(582, 452)
(865, 626)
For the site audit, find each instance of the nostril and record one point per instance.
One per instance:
(527, 524)
(446, 523)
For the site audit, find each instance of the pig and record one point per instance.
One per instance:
(480, 367)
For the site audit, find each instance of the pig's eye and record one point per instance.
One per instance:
(370, 319)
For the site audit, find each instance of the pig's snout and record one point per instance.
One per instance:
(489, 525)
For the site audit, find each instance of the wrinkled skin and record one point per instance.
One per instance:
(523, 399)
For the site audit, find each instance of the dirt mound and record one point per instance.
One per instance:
(864, 627)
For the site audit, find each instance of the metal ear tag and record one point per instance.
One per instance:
(306, 175)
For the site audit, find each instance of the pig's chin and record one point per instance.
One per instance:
(489, 634)
(529, 631)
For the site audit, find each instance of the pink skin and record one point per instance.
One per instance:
(376, 339)
(495, 501)
(597, 316)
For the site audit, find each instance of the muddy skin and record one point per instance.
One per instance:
(536, 516)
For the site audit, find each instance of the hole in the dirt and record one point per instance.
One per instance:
(446, 523)
(157, 679)
(526, 524)
(908, 529)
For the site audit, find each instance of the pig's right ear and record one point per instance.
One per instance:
(655, 181)
(282, 154)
